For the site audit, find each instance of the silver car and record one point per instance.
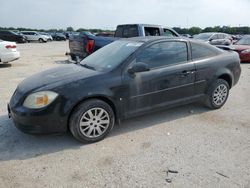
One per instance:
(215, 38)
(35, 36)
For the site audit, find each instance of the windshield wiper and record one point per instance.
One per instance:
(87, 66)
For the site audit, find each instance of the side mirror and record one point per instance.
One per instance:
(138, 67)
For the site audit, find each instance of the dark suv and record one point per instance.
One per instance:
(12, 36)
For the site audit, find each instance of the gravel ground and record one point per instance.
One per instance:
(207, 148)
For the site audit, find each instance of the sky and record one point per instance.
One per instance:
(106, 14)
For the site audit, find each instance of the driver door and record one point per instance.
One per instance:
(170, 78)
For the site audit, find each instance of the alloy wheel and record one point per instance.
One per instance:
(220, 94)
(94, 122)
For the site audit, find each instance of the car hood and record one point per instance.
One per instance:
(202, 40)
(240, 47)
(55, 77)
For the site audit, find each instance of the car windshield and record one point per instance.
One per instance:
(203, 36)
(14, 33)
(110, 56)
(244, 41)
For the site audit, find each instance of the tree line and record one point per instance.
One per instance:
(192, 31)
(224, 29)
(68, 29)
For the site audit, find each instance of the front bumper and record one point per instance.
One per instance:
(43, 121)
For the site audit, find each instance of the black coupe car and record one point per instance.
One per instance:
(126, 78)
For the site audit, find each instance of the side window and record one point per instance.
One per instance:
(200, 51)
(119, 31)
(151, 31)
(163, 54)
(215, 37)
(168, 33)
(222, 36)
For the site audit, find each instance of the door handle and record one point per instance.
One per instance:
(186, 73)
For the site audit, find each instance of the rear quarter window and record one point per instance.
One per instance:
(200, 51)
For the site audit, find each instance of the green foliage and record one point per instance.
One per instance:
(69, 29)
(223, 29)
(191, 31)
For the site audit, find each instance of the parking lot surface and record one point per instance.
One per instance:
(207, 148)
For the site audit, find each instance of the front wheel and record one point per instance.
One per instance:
(91, 121)
(40, 40)
(217, 94)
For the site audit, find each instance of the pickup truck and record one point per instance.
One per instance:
(86, 43)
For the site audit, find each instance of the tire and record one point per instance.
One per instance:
(217, 94)
(40, 40)
(91, 121)
(73, 57)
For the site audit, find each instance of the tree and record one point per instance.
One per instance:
(194, 30)
(70, 29)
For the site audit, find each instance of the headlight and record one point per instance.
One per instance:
(39, 99)
(245, 51)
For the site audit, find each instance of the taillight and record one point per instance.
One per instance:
(10, 46)
(89, 46)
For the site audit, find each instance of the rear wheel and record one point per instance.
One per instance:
(91, 121)
(217, 94)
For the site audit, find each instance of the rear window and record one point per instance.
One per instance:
(202, 51)
(152, 31)
(118, 32)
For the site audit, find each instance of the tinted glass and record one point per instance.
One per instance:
(202, 51)
(215, 37)
(222, 36)
(244, 41)
(168, 33)
(5, 32)
(119, 31)
(152, 31)
(110, 56)
(132, 31)
(163, 54)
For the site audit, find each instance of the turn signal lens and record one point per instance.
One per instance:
(40, 99)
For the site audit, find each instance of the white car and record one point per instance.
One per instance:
(48, 35)
(35, 36)
(8, 52)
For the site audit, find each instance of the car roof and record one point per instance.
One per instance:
(214, 33)
(153, 38)
(29, 31)
(150, 39)
(141, 24)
